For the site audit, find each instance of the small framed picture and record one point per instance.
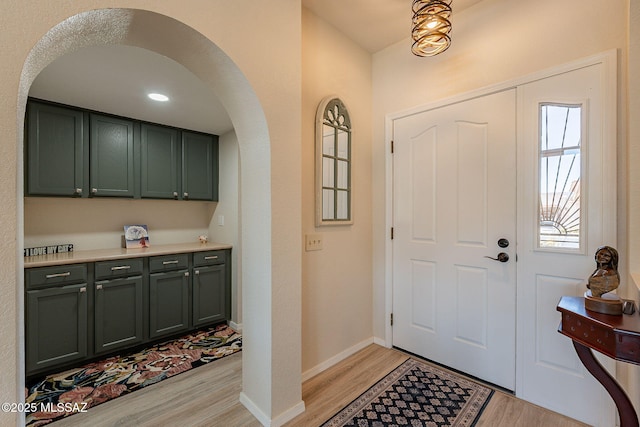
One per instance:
(136, 236)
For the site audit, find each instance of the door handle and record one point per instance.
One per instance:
(502, 257)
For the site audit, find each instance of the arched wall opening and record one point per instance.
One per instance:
(173, 39)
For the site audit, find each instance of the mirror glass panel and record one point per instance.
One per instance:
(333, 163)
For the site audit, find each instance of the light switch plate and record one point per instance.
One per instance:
(313, 242)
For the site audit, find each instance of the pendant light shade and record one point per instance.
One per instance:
(431, 27)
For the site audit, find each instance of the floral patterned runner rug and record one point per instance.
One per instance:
(416, 394)
(63, 394)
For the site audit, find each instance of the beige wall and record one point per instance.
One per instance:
(229, 209)
(97, 223)
(336, 281)
(262, 81)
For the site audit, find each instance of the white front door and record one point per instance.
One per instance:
(454, 205)
(567, 179)
(454, 197)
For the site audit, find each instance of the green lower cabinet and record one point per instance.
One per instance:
(168, 303)
(77, 312)
(118, 313)
(209, 294)
(56, 326)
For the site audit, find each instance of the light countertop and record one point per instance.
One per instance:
(78, 257)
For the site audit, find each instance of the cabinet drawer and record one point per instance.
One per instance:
(168, 263)
(55, 276)
(118, 268)
(209, 258)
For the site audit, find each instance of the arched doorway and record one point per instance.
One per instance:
(175, 40)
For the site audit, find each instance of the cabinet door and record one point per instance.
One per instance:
(199, 166)
(118, 313)
(112, 156)
(56, 149)
(168, 303)
(159, 162)
(56, 326)
(209, 295)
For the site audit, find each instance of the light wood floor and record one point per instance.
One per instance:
(208, 397)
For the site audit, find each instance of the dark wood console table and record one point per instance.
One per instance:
(616, 336)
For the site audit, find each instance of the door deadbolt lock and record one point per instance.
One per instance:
(503, 243)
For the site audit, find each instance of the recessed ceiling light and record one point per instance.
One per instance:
(158, 97)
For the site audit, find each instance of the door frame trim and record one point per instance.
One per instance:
(608, 59)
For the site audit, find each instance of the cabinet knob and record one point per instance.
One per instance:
(175, 194)
(197, 272)
(186, 274)
(98, 287)
(185, 195)
(78, 191)
(94, 191)
(83, 289)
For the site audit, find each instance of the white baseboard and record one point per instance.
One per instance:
(255, 411)
(235, 326)
(337, 358)
(381, 342)
(288, 415)
(280, 420)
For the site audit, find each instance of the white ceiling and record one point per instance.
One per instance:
(115, 79)
(373, 24)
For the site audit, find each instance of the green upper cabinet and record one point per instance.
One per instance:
(56, 151)
(72, 152)
(159, 162)
(199, 166)
(112, 166)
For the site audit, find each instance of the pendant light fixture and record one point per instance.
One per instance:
(431, 27)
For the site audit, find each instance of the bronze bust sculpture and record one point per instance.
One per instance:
(605, 278)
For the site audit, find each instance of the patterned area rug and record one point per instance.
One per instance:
(75, 390)
(416, 394)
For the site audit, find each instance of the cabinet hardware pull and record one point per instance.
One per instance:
(78, 191)
(170, 262)
(186, 273)
(175, 194)
(83, 289)
(121, 267)
(65, 274)
(185, 195)
(197, 272)
(94, 191)
(211, 257)
(98, 287)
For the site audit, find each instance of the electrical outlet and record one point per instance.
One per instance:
(313, 242)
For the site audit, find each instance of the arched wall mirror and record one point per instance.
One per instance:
(333, 163)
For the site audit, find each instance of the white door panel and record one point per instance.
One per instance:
(545, 273)
(454, 198)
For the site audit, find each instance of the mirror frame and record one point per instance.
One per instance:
(325, 116)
